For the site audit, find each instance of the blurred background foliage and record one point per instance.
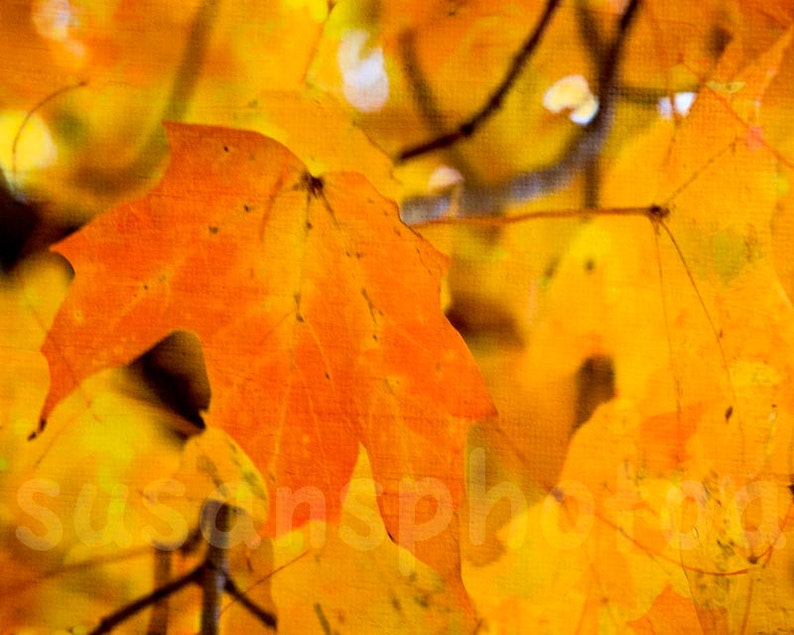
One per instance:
(563, 314)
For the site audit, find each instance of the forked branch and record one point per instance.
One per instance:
(580, 150)
(213, 577)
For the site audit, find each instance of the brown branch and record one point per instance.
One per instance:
(212, 575)
(589, 32)
(579, 151)
(425, 101)
(500, 221)
(267, 618)
(107, 624)
(158, 618)
(215, 571)
(471, 125)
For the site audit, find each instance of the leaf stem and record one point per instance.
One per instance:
(498, 221)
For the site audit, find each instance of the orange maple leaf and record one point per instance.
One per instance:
(670, 613)
(318, 313)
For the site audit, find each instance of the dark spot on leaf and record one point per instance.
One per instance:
(213, 229)
(327, 375)
(718, 40)
(657, 212)
(595, 384)
(145, 287)
(225, 148)
(246, 208)
(728, 413)
(309, 226)
(422, 600)
(313, 184)
(359, 255)
(589, 265)
(299, 317)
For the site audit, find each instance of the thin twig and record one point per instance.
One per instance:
(426, 102)
(589, 32)
(212, 575)
(499, 221)
(199, 575)
(107, 624)
(28, 115)
(584, 148)
(579, 151)
(591, 37)
(158, 618)
(266, 617)
(471, 125)
(238, 594)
